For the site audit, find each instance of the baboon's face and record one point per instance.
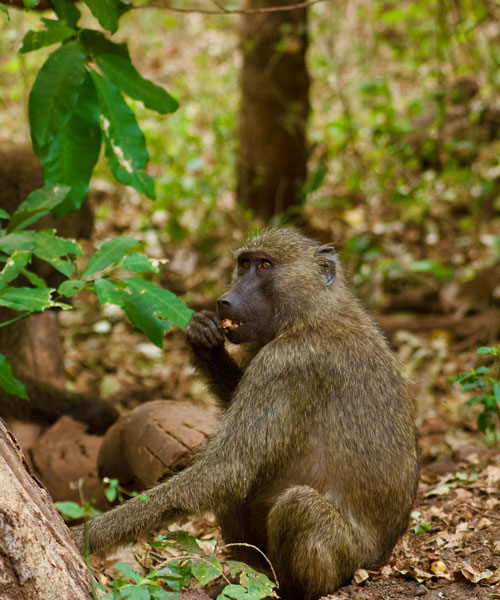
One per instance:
(247, 308)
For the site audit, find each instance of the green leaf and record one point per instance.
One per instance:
(127, 571)
(484, 350)
(17, 241)
(107, 293)
(55, 93)
(4, 11)
(96, 43)
(165, 302)
(109, 253)
(8, 382)
(161, 594)
(141, 314)
(133, 592)
(204, 572)
(51, 248)
(30, 4)
(71, 510)
(38, 203)
(15, 264)
(73, 153)
(175, 574)
(183, 540)
(55, 31)
(122, 73)
(66, 12)
(433, 267)
(33, 278)
(4, 214)
(26, 298)
(125, 144)
(71, 287)
(105, 11)
(139, 263)
(234, 591)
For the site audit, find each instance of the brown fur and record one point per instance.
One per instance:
(315, 461)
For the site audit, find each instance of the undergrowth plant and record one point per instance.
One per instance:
(171, 575)
(484, 382)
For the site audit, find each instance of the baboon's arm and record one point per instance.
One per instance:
(249, 440)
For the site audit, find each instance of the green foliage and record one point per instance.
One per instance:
(485, 381)
(193, 568)
(76, 102)
(150, 308)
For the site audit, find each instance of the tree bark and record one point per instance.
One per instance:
(38, 558)
(272, 157)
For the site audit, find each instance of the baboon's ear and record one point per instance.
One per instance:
(328, 261)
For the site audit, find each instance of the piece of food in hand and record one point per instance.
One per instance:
(229, 324)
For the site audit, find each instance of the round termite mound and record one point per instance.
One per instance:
(153, 442)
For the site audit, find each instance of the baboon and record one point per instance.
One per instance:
(315, 460)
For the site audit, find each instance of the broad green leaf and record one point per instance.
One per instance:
(107, 293)
(55, 93)
(133, 592)
(4, 214)
(183, 540)
(55, 31)
(175, 574)
(161, 594)
(125, 144)
(141, 314)
(71, 287)
(128, 571)
(17, 241)
(234, 591)
(66, 12)
(484, 350)
(164, 302)
(139, 263)
(105, 11)
(122, 73)
(26, 298)
(433, 267)
(14, 266)
(109, 253)
(72, 510)
(38, 203)
(206, 570)
(96, 43)
(30, 4)
(51, 248)
(8, 382)
(71, 156)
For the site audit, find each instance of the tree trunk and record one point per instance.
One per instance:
(272, 158)
(38, 558)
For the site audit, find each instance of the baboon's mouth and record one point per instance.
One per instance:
(230, 325)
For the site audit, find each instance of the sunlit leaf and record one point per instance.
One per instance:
(109, 253)
(122, 73)
(38, 203)
(55, 31)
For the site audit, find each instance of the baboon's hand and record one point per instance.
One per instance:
(205, 330)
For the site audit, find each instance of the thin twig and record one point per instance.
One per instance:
(231, 11)
(258, 550)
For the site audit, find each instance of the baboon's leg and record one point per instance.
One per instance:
(312, 547)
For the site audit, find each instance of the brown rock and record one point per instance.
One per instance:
(65, 453)
(153, 442)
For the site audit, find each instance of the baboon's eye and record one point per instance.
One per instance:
(244, 263)
(265, 264)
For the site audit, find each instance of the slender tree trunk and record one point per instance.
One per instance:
(272, 160)
(38, 558)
